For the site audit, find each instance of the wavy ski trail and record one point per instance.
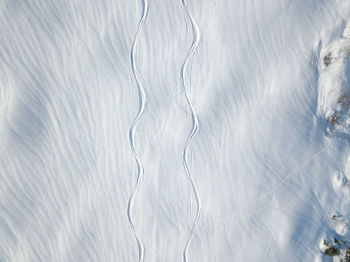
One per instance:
(142, 105)
(195, 122)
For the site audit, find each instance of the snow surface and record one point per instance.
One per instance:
(173, 130)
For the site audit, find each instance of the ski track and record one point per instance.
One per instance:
(142, 105)
(195, 123)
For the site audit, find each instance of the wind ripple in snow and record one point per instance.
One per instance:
(195, 121)
(142, 104)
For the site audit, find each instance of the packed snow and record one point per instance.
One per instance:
(175, 130)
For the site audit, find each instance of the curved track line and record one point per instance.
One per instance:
(142, 105)
(195, 122)
(276, 186)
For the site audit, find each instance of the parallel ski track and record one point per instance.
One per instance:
(195, 123)
(132, 130)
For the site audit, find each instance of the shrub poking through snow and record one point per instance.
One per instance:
(334, 88)
(334, 120)
(332, 251)
(327, 59)
(344, 101)
(337, 248)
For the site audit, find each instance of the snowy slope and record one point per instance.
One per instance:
(173, 130)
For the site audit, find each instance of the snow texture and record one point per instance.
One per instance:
(174, 130)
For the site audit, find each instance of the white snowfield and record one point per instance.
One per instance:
(174, 130)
